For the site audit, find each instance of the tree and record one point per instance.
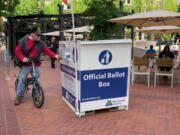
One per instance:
(102, 11)
(170, 5)
(80, 6)
(52, 7)
(26, 7)
(144, 5)
(7, 7)
(148, 5)
(35, 6)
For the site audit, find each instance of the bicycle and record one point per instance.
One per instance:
(37, 90)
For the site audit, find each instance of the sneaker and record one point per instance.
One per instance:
(18, 100)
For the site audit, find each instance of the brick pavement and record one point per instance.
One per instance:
(152, 111)
(8, 120)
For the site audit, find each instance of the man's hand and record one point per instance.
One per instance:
(57, 57)
(25, 59)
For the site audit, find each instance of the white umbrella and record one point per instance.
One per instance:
(160, 29)
(55, 33)
(151, 18)
(66, 35)
(80, 29)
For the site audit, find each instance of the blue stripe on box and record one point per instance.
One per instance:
(70, 71)
(103, 84)
(69, 97)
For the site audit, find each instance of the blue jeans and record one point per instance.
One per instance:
(24, 71)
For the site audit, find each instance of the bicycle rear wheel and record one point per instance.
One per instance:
(38, 96)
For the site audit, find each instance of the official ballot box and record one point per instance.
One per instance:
(95, 74)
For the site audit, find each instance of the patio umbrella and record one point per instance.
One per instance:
(160, 29)
(151, 18)
(55, 33)
(67, 35)
(80, 29)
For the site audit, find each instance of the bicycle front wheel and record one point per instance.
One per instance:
(38, 96)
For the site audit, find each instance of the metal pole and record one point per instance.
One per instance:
(121, 7)
(7, 61)
(61, 33)
(132, 37)
(75, 53)
(161, 4)
(72, 13)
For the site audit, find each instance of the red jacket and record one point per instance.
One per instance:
(20, 55)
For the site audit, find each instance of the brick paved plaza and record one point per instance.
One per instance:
(152, 111)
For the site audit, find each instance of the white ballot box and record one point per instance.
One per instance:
(95, 74)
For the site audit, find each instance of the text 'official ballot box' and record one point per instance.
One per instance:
(95, 74)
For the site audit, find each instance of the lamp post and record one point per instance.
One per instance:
(161, 4)
(61, 34)
(132, 37)
(121, 7)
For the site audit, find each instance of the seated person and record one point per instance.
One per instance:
(166, 54)
(150, 53)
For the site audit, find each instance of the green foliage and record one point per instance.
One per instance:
(1, 27)
(173, 6)
(170, 5)
(178, 8)
(165, 37)
(35, 6)
(79, 6)
(144, 5)
(127, 33)
(102, 11)
(52, 7)
(26, 7)
(148, 5)
(7, 7)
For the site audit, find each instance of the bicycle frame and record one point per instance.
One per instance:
(37, 91)
(31, 80)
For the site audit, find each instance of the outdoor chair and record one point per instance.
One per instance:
(166, 63)
(140, 66)
(151, 57)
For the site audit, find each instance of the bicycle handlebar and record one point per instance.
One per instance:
(30, 61)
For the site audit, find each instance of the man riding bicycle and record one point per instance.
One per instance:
(33, 46)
